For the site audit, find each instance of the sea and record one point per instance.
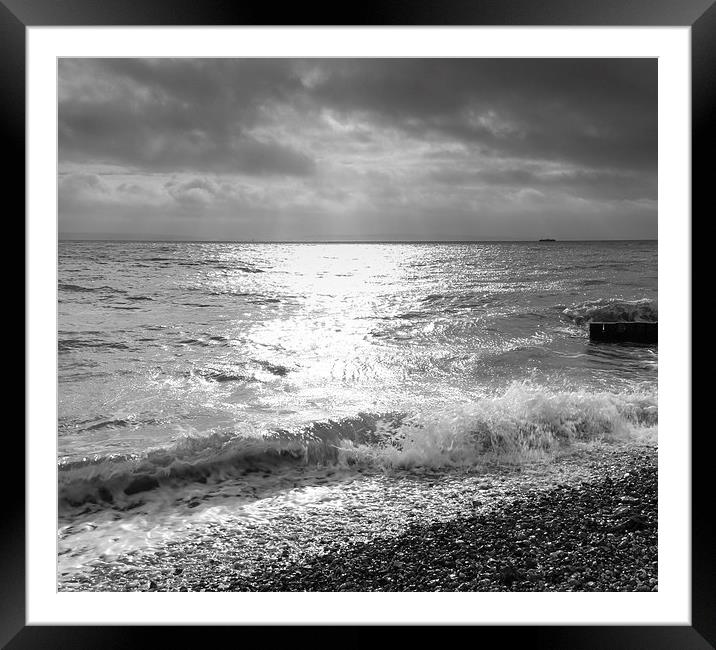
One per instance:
(202, 373)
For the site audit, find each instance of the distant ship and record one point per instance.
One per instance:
(548, 240)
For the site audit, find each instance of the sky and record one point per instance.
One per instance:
(357, 149)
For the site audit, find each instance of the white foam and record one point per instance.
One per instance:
(524, 422)
(614, 310)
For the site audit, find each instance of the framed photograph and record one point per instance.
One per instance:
(356, 324)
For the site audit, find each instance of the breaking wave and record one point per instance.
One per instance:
(524, 422)
(613, 310)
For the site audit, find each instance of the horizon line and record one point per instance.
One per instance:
(342, 241)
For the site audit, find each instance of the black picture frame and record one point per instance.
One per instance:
(699, 15)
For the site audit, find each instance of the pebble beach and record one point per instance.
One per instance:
(585, 520)
(337, 325)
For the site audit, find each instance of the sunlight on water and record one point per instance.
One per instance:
(159, 340)
(248, 386)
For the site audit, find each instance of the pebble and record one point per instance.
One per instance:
(549, 539)
(430, 554)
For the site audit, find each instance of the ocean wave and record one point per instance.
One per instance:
(523, 422)
(220, 376)
(76, 288)
(613, 310)
(249, 371)
(210, 459)
(67, 345)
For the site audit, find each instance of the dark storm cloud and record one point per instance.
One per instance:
(600, 112)
(173, 115)
(195, 114)
(252, 147)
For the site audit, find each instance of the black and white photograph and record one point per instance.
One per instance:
(357, 324)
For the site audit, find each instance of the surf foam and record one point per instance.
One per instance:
(524, 421)
(613, 310)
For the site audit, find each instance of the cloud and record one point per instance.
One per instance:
(588, 184)
(83, 183)
(198, 114)
(600, 112)
(483, 147)
(168, 116)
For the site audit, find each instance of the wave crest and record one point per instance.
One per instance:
(524, 422)
(613, 310)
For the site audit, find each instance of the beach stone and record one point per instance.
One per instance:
(460, 549)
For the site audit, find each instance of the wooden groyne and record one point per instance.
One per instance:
(637, 332)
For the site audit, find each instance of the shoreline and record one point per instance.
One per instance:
(598, 536)
(584, 521)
